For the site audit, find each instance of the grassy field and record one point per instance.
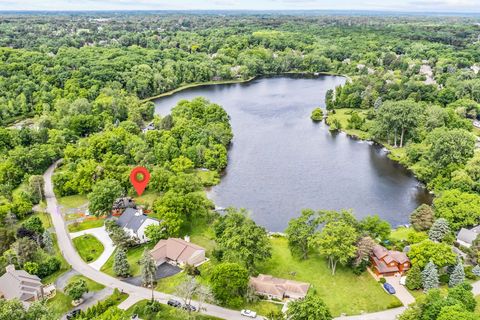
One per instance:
(60, 304)
(147, 198)
(87, 224)
(343, 115)
(133, 256)
(166, 312)
(344, 292)
(72, 202)
(400, 233)
(91, 285)
(88, 247)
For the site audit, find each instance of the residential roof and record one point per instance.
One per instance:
(381, 253)
(467, 236)
(132, 219)
(383, 267)
(279, 287)
(20, 284)
(176, 249)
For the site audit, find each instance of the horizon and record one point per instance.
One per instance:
(390, 6)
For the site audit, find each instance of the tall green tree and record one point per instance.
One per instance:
(229, 282)
(311, 307)
(121, 267)
(430, 277)
(300, 232)
(149, 270)
(336, 242)
(422, 218)
(103, 195)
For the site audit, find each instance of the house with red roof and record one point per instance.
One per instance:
(388, 262)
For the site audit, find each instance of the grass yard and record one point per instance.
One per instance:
(147, 198)
(133, 256)
(87, 224)
(343, 115)
(166, 312)
(344, 292)
(477, 309)
(201, 233)
(59, 305)
(88, 247)
(400, 234)
(91, 285)
(44, 217)
(72, 202)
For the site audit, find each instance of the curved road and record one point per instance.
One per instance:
(135, 293)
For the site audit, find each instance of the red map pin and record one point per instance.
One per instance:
(139, 177)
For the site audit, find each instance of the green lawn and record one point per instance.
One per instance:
(147, 198)
(91, 285)
(44, 217)
(344, 292)
(166, 312)
(87, 224)
(477, 309)
(201, 233)
(400, 234)
(72, 202)
(208, 178)
(88, 247)
(343, 115)
(60, 304)
(133, 256)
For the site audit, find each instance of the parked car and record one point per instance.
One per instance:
(134, 317)
(248, 313)
(189, 307)
(73, 314)
(389, 288)
(174, 303)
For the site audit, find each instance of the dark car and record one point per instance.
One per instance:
(189, 307)
(389, 288)
(73, 314)
(174, 303)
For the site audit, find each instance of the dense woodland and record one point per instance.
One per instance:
(76, 87)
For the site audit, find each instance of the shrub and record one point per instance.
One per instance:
(317, 114)
(382, 280)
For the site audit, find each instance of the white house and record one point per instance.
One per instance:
(134, 222)
(465, 237)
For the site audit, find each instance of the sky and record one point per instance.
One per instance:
(469, 6)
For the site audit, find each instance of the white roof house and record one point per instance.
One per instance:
(465, 237)
(21, 285)
(134, 222)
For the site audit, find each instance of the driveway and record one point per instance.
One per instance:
(92, 298)
(164, 270)
(102, 235)
(135, 293)
(401, 291)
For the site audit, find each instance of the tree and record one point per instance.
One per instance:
(35, 188)
(337, 241)
(121, 267)
(364, 249)
(430, 277)
(440, 254)
(14, 309)
(375, 227)
(25, 249)
(455, 312)
(460, 209)
(155, 233)
(476, 270)
(439, 230)
(241, 240)
(76, 289)
(422, 218)
(398, 118)
(149, 270)
(310, 308)
(189, 289)
(414, 278)
(48, 242)
(457, 276)
(103, 195)
(300, 232)
(450, 147)
(229, 282)
(317, 114)
(34, 224)
(462, 292)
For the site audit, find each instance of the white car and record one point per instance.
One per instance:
(248, 313)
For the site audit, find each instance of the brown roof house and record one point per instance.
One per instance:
(178, 252)
(19, 284)
(388, 262)
(277, 288)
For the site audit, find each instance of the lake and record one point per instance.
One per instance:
(281, 162)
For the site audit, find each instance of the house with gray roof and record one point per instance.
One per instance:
(134, 222)
(465, 237)
(21, 285)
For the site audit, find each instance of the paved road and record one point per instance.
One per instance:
(390, 314)
(135, 293)
(102, 236)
